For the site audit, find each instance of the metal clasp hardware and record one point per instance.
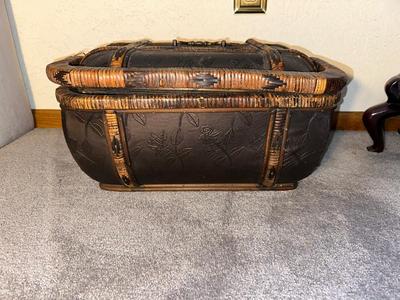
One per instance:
(116, 146)
(271, 173)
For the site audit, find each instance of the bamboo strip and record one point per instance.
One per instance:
(116, 146)
(74, 100)
(328, 80)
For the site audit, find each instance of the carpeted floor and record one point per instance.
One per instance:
(336, 236)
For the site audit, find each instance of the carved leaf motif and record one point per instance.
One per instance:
(140, 118)
(136, 151)
(177, 137)
(97, 126)
(219, 155)
(193, 119)
(236, 150)
(246, 118)
(167, 146)
(79, 117)
(184, 152)
(228, 136)
(73, 144)
(140, 145)
(299, 140)
(171, 159)
(300, 147)
(217, 144)
(83, 155)
(208, 134)
(81, 149)
(157, 142)
(86, 147)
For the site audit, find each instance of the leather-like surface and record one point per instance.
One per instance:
(201, 147)
(99, 59)
(306, 144)
(196, 147)
(85, 135)
(294, 62)
(232, 56)
(149, 59)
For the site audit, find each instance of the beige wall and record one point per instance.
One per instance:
(361, 35)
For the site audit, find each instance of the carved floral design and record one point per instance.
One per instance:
(218, 145)
(96, 125)
(140, 118)
(83, 148)
(168, 147)
(195, 137)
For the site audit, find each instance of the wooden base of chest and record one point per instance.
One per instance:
(197, 187)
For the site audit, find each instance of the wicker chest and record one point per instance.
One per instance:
(196, 115)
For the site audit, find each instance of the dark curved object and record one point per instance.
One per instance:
(146, 116)
(86, 139)
(307, 142)
(197, 147)
(374, 117)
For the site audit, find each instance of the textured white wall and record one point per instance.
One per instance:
(361, 36)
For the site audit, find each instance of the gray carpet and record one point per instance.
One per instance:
(337, 236)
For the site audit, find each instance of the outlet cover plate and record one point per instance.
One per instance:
(250, 6)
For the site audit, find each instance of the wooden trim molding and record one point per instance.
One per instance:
(353, 121)
(51, 118)
(76, 101)
(47, 118)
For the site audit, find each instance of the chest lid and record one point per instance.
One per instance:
(211, 66)
(220, 55)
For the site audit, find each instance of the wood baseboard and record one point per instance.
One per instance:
(47, 118)
(353, 121)
(51, 118)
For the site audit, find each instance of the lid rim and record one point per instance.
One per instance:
(328, 80)
(69, 99)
